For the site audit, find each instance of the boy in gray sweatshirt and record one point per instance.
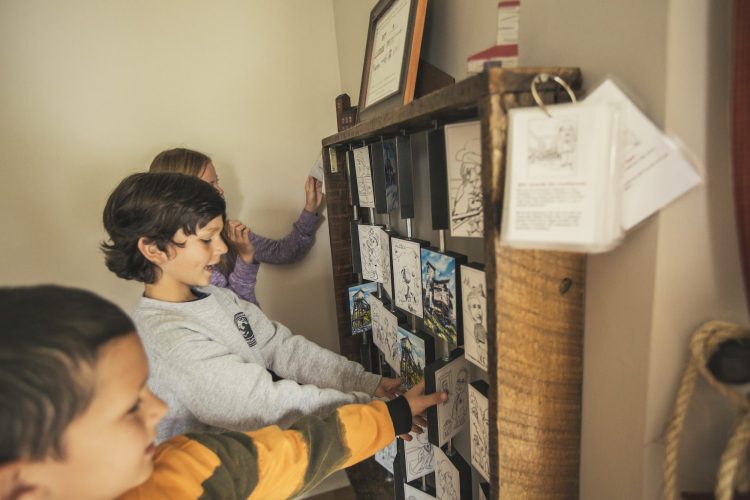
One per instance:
(210, 352)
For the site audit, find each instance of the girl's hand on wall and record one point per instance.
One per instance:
(239, 234)
(313, 194)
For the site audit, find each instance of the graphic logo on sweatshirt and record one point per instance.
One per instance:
(243, 325)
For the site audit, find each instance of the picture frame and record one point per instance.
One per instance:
(360, 315)
(417, 350)
(441, 298)
(407, 274)
(463, 176)
(474, 305)
(394, 42)
(452, 476)
(479, 427)
(448, 418)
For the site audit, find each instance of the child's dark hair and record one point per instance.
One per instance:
(154, 206)
(50, 338)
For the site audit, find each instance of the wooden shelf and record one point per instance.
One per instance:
(534, 298)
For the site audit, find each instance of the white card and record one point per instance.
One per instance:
(563, 181)
(420, 459)
(479, 432)
(364, 177)
(463, 155)
(369, 251)
(655, 172)
(386, 456)
(447, 477)
(474, 304)
(316, 171)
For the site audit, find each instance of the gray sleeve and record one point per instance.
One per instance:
(296, 358)
(221, 389)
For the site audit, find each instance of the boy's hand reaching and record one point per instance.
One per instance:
(388, 388)
(239, 234)
(313, 194)
(419, 402)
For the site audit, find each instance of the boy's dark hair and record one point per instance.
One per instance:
(49, 340)
(154, 206)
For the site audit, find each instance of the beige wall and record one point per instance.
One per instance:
(91, 91)
(674, 271)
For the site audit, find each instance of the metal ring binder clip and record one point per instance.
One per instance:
(543, 78)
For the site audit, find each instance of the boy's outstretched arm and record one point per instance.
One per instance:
(271, 463)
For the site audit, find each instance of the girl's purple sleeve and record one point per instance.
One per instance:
(242, 280)
(291, 247)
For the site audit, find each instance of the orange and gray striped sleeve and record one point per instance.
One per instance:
(270, 462)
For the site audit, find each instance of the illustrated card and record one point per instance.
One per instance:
(369, 250)
(463, 151)
(446, 419)
(419, 459)
(479, 428)
(390, 345)
(387, 455)
(364, 177)
(407, 275)
(386, 265)
(452, 476)
(474, 304)
(351, 174)
(359, 307)
(391, 176)
(384, 177)
(440, 301)
(378, 322)
(417, 351)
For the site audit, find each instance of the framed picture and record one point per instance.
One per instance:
(416, 456)
(386, 265)
(363, 173)
(394, 41)
(407, 274)
(452, 476)
(441, 302)
(417, 351)
(369, 250)
(387, 455)
(359, 307)
(474, 304)
(463, 153)
(479, 427)
(384, 176)
(446, 419)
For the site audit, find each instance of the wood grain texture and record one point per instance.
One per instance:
(535, 320)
